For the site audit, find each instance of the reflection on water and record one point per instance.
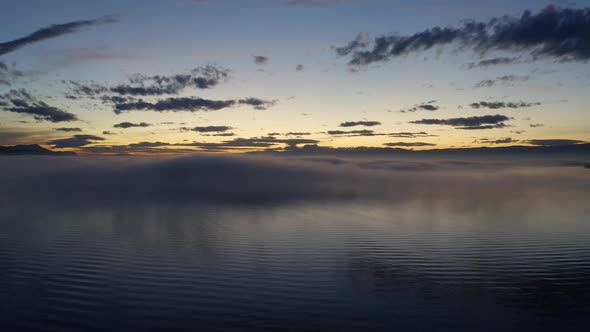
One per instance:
(421, 265)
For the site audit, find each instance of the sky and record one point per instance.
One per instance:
(153, 77)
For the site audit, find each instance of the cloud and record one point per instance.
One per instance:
(469, 123)
(298, 134)
(68, 129)
(554, 33)
(51, 31)
(199, 78)
(91, 90)
(209, 129)
(553, 142)
(363, 132)
(408, 144)
(260, 60)
(506, 80)
(155, 85)
(427, 106)
(106, 132)
(126, 125)
(536, 125)
(360, 123)
(186, 104)
(492, 62)
(361, 40)
(9, 75)
(405, 134)
(501, 104)
(257, 103)
(497, 141)
(222, 135)
(299, 67)
(74, 141)
(21, 101)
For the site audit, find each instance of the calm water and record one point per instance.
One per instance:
(435, 265)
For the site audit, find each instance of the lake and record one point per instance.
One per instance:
(432, 261)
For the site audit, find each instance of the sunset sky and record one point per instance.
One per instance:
(219, 75)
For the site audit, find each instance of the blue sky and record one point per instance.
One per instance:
(173, 37)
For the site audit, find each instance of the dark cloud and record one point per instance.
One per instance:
(155, 85)
(556, 33)
(469, 123)
(257, 103)
(74, 141)
(366, 132)
(199, 78)
(536, 125)
(497, 141)
(363, 132)
(91, 90)
(209, 129)
(408, 144)
(553, 142)
(491, 62)
(260, 60)
(68, 129)
(427, 106)
(186, 104)
(410, 134)
(361, 40)
(126, 125)
(501, 104)
(106, 132)
(51, 31)
(297, 134)
(222, 135)
(21, 101)
(360, 123)
(299, 67)
(506, 80)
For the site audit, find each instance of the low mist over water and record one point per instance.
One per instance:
(235, 243)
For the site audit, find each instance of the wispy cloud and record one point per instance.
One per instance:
(505, 80)
(502, 104)
(51, 31)
(491, 62)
